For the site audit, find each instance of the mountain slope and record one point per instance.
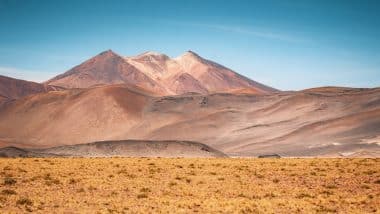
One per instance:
(72, 116)
(11, 88)
(319, 122)
(215, 77)
(157, 73)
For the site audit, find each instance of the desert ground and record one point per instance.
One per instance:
(189, 185)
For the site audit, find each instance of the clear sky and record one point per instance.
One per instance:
(288, 45)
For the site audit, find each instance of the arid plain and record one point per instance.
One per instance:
(189, 185)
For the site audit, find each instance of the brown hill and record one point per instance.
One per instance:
(14, 152)
(78, 115)
(125, 148)
(157, 73)
(307, 123)
(11, 88)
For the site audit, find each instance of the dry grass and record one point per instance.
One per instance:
(127, 185)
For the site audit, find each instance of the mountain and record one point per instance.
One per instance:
(153, 99)
(157, 73)
(315, 122)
(11, 88)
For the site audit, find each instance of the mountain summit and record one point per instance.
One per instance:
(157, 73)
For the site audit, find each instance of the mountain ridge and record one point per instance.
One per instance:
(12, 88)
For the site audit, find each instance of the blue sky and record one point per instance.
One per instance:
(288, 45)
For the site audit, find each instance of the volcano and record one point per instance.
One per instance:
(158, 74)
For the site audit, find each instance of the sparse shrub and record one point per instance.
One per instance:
(325, 209)
(144, 189)
(330, 186)
(131, 176)
(259, 176)
(52, 181)
(370, 172)
(9, 181)
(92, 188)
(72, 181)
(142, 195)
(34, 178)
(327, 192)
(8, 192)
(304, 195)
(24, 201)
(365, 186)
(2, 200)
(7, 168)
(191, 173)
(123, 171)
(21, 170)
(276, 180)
(172, 183)
(269, 195)
(47, 176)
